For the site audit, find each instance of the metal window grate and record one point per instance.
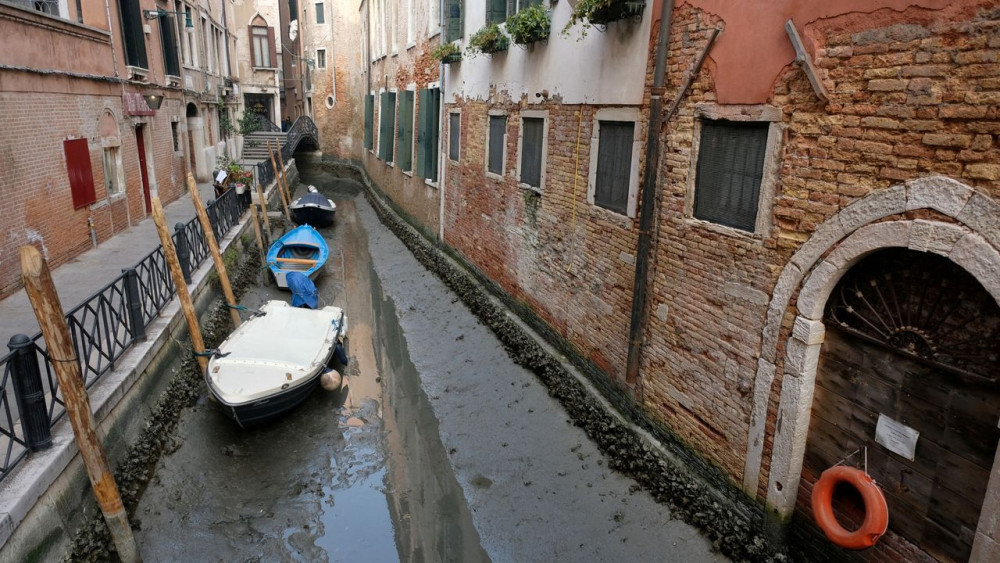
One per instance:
(730, 168)
(614, 164)
(498, 135)
(531, 150)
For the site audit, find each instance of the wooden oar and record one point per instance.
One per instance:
(296, 260)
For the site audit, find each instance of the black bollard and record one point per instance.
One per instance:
(183, 252)
(29, 392)
(133, 303)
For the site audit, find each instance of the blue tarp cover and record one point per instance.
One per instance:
(303, 290)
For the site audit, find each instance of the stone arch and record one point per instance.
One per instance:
(972, 243)
(258, 21)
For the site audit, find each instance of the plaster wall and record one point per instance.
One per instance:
(598, 68)
(255, 81)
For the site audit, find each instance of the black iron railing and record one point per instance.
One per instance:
(108, 323)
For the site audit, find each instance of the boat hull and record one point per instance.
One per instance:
(271, 407)
(315, 216)
(302, 249)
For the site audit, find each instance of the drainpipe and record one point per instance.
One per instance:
(441, 121)
(648, 208)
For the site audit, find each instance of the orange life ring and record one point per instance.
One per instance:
(876, 510)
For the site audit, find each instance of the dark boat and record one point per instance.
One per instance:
(301, 249)
(272, 362)
(313, 209)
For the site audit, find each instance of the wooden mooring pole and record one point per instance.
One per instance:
(257, 233)
(213, 246)
(48, 310)
(279, 181)
(263, 208)
(284, 179)
(174, 265)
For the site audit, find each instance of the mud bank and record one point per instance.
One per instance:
(92, 541)
(689, 500)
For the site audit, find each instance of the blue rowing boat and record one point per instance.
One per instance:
(302, 249)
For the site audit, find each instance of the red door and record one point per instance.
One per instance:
(141, 143)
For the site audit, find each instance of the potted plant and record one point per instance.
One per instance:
(599, 13)
(447, 53)
(529, 25)
(490, 39)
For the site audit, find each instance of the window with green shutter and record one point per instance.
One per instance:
(404, 131)
(532, 144)
(428, 117)
(454, 135)
(496, 11)
(369, 121)
(614, 164)
(455, 19)
(498, 136)
(386, 125)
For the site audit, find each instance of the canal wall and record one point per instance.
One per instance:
(47, 505)
(641, 447)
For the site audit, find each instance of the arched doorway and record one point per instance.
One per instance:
(912, 355)
(196, 142)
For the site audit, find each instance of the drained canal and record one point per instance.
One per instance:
(438, 448)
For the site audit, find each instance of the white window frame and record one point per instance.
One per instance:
(116, 180)
(377, 123)
(503, 159)
(436, 85)
(632, 114)
(433, 18)
(451, 112)
(412, 87)
(544, 116)
(769, 176)
(318, 51)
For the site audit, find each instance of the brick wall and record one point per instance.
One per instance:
(37, 206)
(571, 261)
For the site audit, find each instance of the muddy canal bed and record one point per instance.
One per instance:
(437, 449)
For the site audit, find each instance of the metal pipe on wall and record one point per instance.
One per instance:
(648, 208)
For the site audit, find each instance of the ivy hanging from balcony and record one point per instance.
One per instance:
(529, 25)
(488, 40)
(447, 53)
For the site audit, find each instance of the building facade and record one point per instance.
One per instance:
(803, 273)
(257, 28)
(402, 105)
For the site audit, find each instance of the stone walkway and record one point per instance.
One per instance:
(82, 276)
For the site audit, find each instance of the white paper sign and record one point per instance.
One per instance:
(221, 176)
(896, 437)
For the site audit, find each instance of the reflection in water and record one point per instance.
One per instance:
(433, 521)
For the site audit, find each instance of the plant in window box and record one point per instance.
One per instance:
(599, 13)
(447, 53)
(530, 25)
(490, 39)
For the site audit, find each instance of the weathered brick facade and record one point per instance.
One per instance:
(903, 153)
(570, 261)
(38, 206)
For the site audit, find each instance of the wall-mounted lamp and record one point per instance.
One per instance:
(154, 14)
(154, 101)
